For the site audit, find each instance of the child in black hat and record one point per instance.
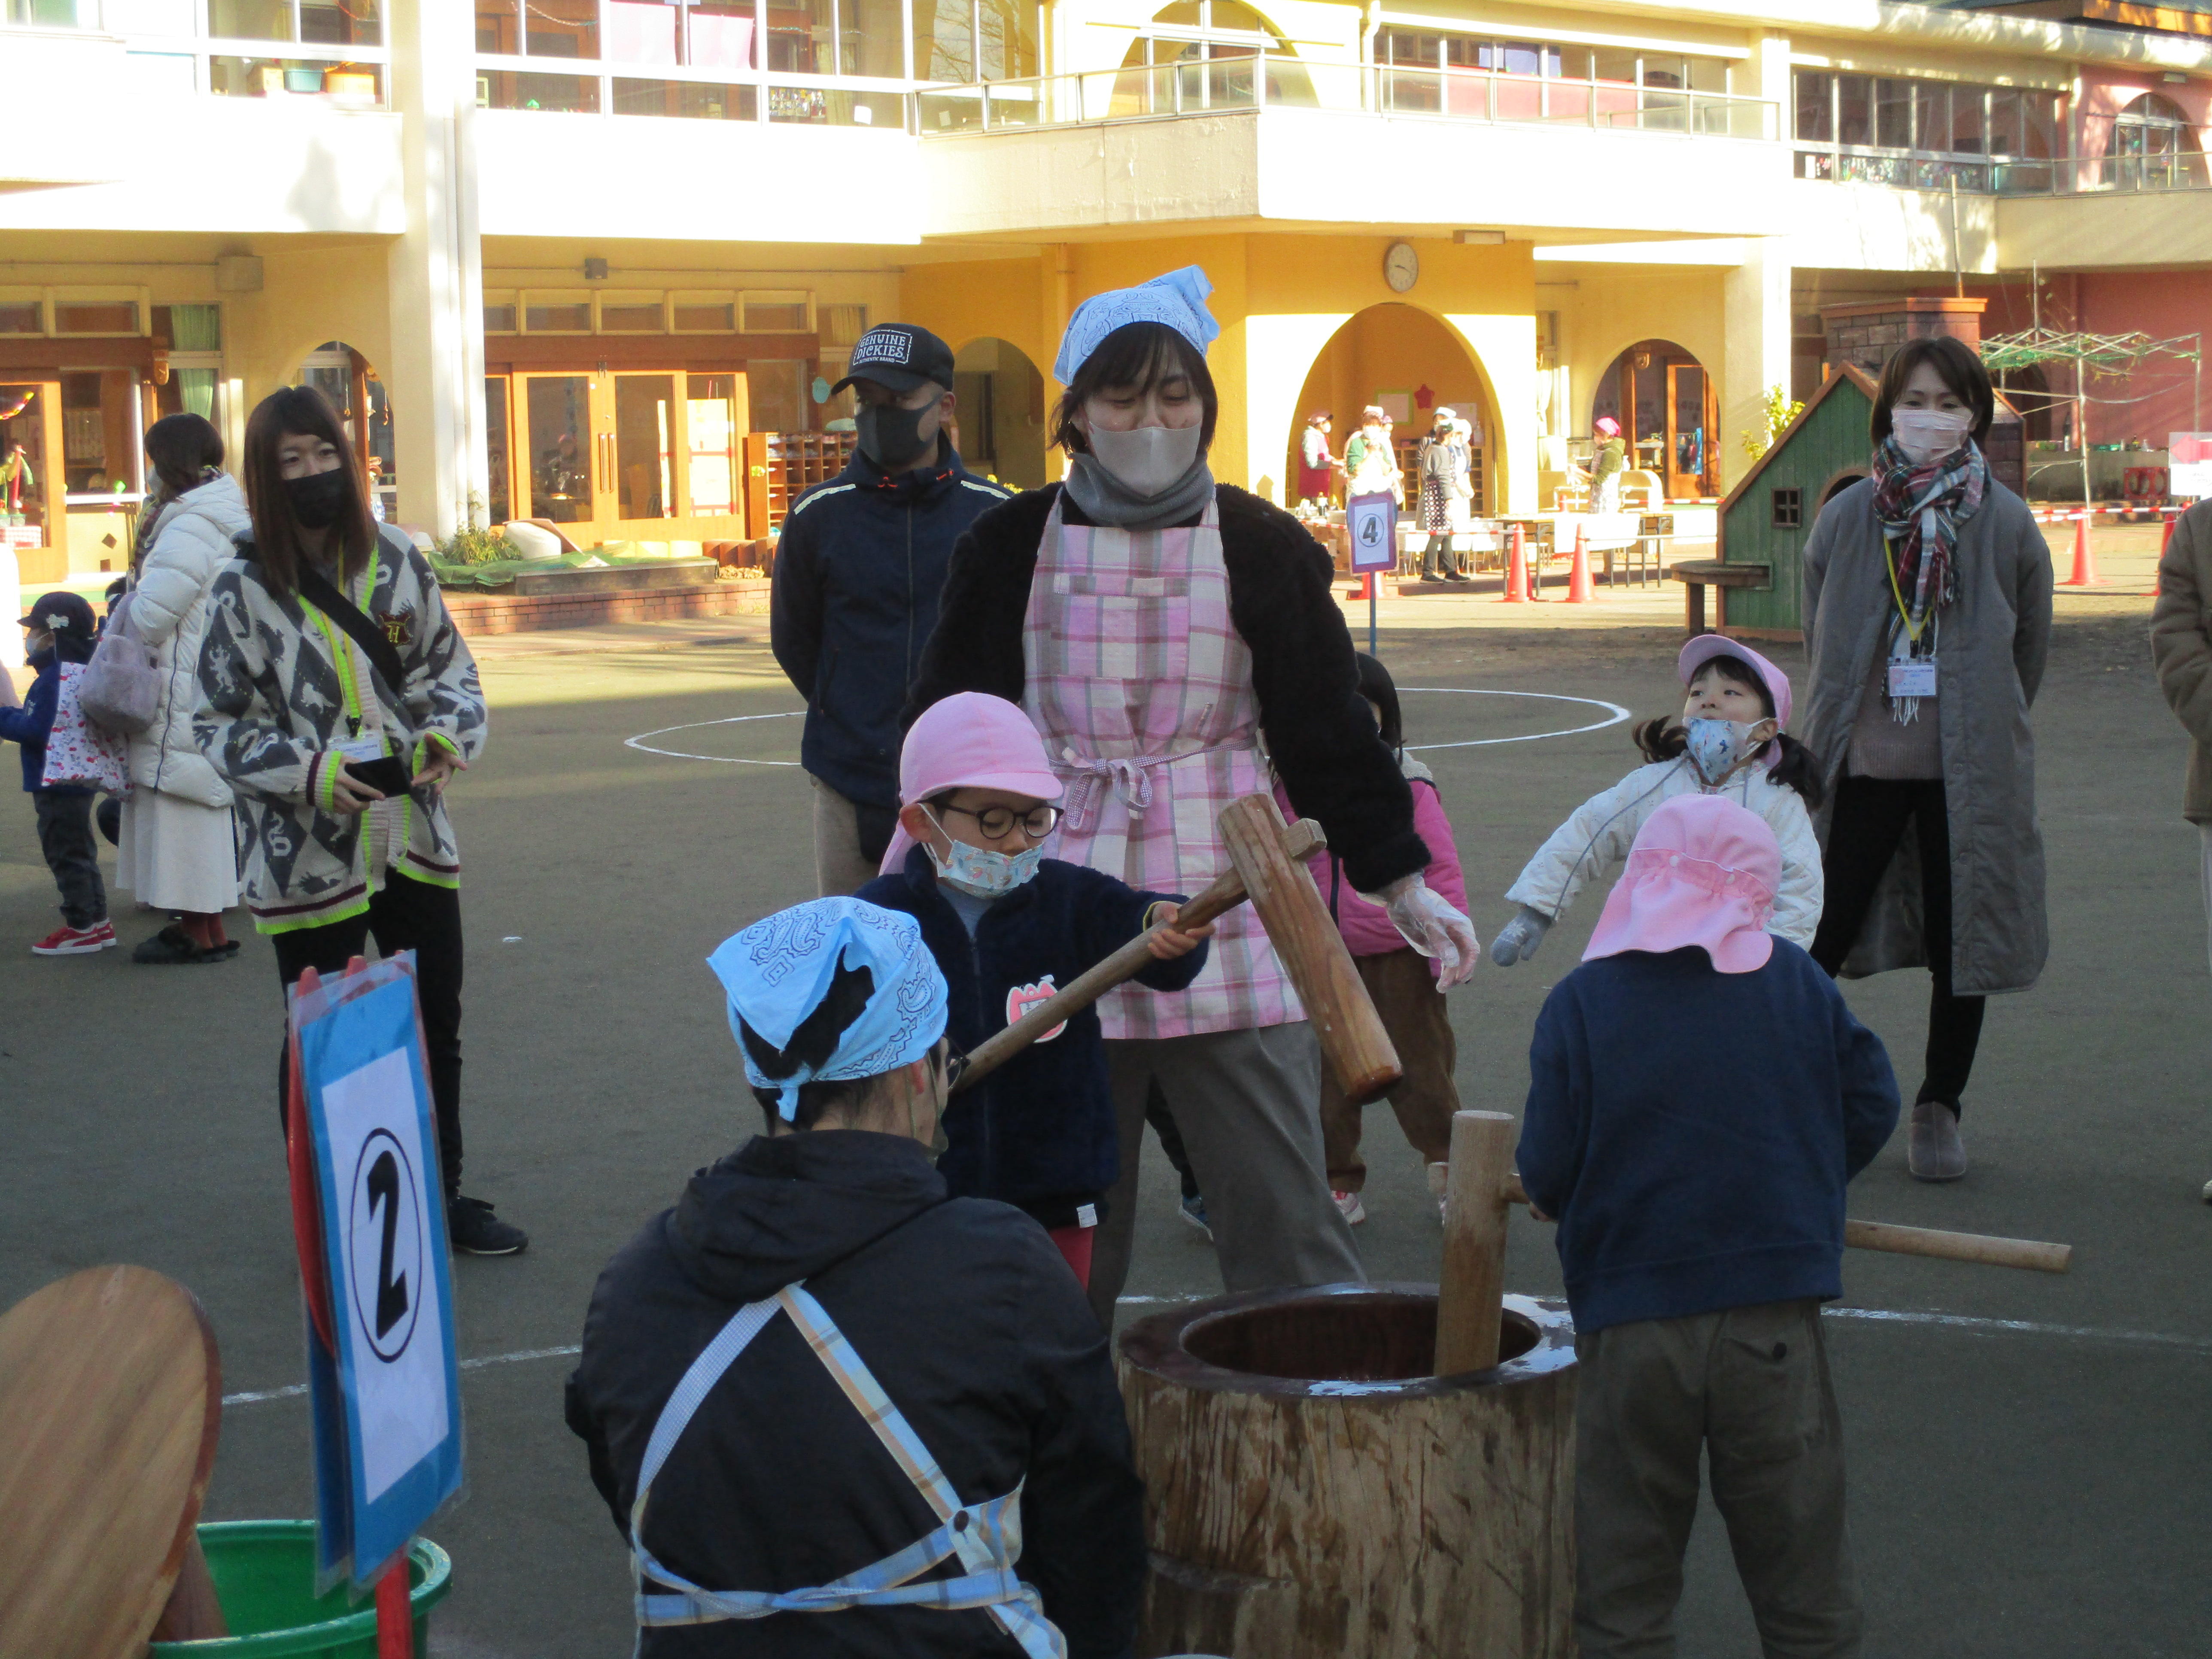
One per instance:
(62, 630)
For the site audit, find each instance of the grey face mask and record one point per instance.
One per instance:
(1149, 458)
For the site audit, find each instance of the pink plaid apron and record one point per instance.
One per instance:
(1143, 691)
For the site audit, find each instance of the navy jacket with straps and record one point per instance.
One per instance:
(1038, 1132)
(966, 1314)
(857, 571)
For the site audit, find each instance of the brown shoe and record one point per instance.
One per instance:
(1935, 1153)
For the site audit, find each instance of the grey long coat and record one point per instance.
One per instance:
(1989, 651)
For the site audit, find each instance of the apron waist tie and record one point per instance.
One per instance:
(1130, 777)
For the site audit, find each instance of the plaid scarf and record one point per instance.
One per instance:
(1921, 508)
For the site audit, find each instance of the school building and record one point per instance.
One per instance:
(597, 261)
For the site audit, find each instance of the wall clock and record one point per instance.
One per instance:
(1401, 267)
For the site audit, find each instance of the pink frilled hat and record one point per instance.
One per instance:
(1703, 872)
(971, 740)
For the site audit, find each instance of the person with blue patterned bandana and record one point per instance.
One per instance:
(833, 1411)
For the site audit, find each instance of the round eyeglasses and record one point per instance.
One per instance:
(996, 821)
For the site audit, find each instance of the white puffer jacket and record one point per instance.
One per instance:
(1599, 834)
(189, 541)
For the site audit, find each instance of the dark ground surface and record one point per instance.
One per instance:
(2015, 1491)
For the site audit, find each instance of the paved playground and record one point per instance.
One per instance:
(2026, 1452)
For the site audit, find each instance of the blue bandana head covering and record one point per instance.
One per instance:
(778, 970)
(1178, 299)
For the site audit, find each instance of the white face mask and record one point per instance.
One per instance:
(980, 872)
(1719, 749)
(1929, 434)
(1149, 458)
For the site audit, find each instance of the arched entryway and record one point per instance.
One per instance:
(1669, 413)
(1410, 363)
(999, 395)
(346, 378)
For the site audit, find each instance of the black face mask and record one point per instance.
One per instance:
(318, 498)
(888, 435)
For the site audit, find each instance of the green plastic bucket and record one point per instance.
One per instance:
(264, 1576)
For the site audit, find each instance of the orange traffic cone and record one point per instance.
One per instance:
(1579, 590)
(2085, 562)
(2165, 536)
(1517, 569)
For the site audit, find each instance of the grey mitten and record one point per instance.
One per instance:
(1517, 940)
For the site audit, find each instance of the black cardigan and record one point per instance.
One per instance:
(1319, 733)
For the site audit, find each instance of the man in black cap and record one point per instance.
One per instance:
(857, 576)
(60, 629)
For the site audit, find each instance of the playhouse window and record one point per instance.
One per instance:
(1787, 511)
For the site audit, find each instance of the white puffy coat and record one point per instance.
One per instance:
(189, 543)
(1599, 834)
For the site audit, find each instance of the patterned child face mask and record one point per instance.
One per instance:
(978, 870)
(1719, 749)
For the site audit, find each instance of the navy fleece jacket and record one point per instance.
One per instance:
(33, 723)
(1693, 1132)
(1038, 1132)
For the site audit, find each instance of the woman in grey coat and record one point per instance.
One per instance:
(1927, 611)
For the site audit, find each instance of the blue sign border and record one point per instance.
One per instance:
(355, 1033)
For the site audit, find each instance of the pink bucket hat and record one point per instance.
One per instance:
(1703, 648)
(1703, 872)
(970, 740)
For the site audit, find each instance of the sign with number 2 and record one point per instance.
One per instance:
(388, 1424)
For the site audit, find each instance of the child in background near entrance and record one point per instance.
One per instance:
(61, 630)
(1008, 928)
(1699, 1094)
(1730, 742)
(1400, 980)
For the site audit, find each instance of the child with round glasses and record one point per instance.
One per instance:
(1008, 928)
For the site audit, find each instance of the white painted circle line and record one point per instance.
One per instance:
(1614, 716)
(639, 741)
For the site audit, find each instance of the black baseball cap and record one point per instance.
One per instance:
(899, 356)
(65, 613)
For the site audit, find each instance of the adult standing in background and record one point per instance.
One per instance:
(1609, 461)
(1443, 482)
(858, 570)
(1151, 624)
(1317, 468)
(1927, 618)
(1370, 460)
(176, 849)
(330, 650)
(2181, 648)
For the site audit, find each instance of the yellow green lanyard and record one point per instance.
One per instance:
(341, 652)
(1889, 558)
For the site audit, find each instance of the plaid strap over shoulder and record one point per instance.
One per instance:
(986, 1538)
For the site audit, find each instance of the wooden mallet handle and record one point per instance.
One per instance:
(1226, 893)
(2029, 1253)
(1471, 1292)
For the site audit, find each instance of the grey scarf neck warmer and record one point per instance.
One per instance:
(1105, 499)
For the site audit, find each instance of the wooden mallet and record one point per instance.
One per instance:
(1266, 861)
(1483, 1186)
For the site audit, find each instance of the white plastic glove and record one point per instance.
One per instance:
(1426, 921)
(1517, 940)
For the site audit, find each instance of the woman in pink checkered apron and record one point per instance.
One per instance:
(1171, 638)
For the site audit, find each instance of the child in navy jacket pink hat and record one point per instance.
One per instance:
(1008, 928)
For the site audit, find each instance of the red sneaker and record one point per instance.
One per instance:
(66, 941)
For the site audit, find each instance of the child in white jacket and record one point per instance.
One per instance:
(1729, 741)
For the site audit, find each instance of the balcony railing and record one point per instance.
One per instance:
(1261, 80)
(2097, 175)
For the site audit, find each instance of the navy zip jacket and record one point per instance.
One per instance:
(1038, 1132)
(857, 571)
(1693, 1132)
(33, 723)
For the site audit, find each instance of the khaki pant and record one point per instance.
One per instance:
(1244, 1102)
(1420, 1026)
(1750, 1387)
(839, 866)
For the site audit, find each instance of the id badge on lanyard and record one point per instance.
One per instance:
(1913, 679)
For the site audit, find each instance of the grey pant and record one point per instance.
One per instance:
(1750, 1387)
(839, 867)
(1246, 1104)
(65, 837)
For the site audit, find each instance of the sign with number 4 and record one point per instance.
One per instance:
(387, 1405)
(1372, 523)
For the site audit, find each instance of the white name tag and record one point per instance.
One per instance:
(1912, 679)
(364, 748)
(1086, 1215)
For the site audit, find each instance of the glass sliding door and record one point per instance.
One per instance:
(558, 439)
(645, 422)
